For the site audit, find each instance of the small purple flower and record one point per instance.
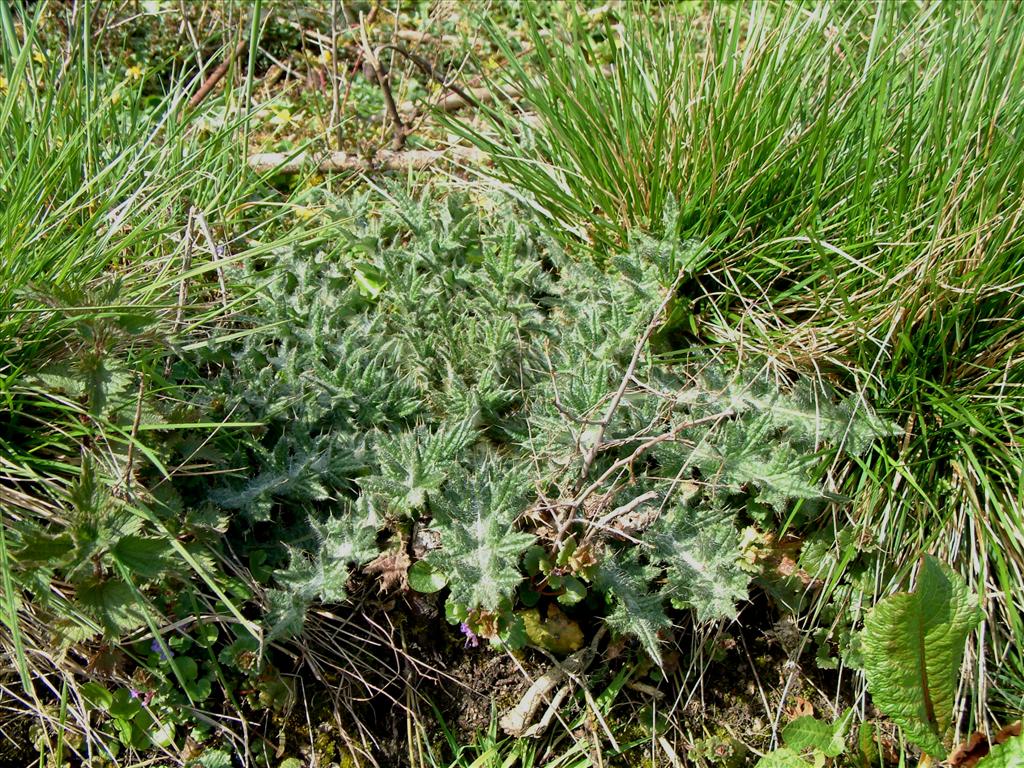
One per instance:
(138, 695)
(472, 641)
(156, 648)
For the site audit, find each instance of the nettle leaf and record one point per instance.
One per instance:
(143, 556)
(113, 604)
(480, 547)
(783, 758)
(913, 646)
(637, 611)
(808, 732)
(215, 758)
(39, 547)
(701, 552)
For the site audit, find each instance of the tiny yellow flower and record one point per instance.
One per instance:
(304, 213)
(134, 72)
(281, 116)
(3, 84)
(325, 57)
(38, 57)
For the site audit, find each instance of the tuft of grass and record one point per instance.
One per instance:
(856, 170)
(106, 273)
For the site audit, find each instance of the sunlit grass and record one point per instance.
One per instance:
(106, 272)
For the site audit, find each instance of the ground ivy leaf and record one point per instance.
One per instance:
(425, 578)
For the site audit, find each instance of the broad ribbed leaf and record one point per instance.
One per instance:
(913, 647)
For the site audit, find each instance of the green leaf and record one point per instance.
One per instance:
(425, 578)
(200, 690)
(1009, 754)
(186, 667)
(215, 758)
(41, 548)
(783, 758)
(206, 635)
(528, 597)
(145, 557)
(513, 636)
(113, 604)
(810, 733)
(147, 732)
(533, 558)
(575, 590)
(913, 645)
(416, 463)
(96, 696)
(123, 705)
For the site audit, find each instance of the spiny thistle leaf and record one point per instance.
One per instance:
(349, 539)
(700, 550)
(637, 611)
(415, 463)
(480, 547)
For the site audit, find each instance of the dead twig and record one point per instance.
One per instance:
(453, 102)
(518, 721)
(217, 74)
(342, 162)
(398, 127)
(428, 70)
(130, 458)
(186, 264)
(215, 253)
(416, 36)
(652, 326)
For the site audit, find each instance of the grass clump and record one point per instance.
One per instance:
(119, 220)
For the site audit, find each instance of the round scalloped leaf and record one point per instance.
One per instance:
(425, 578)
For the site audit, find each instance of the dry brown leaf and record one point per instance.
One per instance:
(977, 746)
(392, 568)
(800, 707)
